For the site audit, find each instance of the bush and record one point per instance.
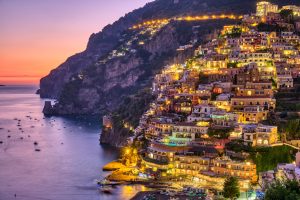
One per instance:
(267, 158)
(283, 190)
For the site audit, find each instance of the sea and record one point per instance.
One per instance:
(51, 158)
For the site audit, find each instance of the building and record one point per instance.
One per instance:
(284, 76)
(216, 61)
(285, 81)
(259, 135)
(192, 165)
(223, 119)
(294, 8)
(107, 121)
(215, 167)
(183, 133)
(223, 166)
(252, 114)
(238, 103)
(248, 73)
(261, 59)
(256, 89)
(264, 7)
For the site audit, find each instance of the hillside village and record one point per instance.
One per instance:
(235, 99)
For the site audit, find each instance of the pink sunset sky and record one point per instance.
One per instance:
(38, 35)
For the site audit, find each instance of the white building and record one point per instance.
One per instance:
(264, 7)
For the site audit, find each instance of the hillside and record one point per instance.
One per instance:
(118, 61)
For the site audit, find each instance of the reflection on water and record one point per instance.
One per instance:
(70, 157)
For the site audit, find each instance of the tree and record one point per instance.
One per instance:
(292, 129)
(231, 188)
(283, 190)
(203, 79)
(219, 133)
(287, 15)
(235, 33)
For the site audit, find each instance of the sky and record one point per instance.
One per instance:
(38, 35)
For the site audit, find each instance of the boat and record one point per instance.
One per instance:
(106, 189)
(106, 182)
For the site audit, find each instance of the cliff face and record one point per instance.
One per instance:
(113, 137)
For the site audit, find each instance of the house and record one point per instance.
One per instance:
(264, 7)
(223, 119)
(216, 61)
(285, 81)
(284, 76)
(183, 132)
(196, 117)
(183, 106)
(238, 103)
(261, 88)
(248, 73)
(252, 114)
(223, 166)
(261, 59)
(222, 101)
(273, 17)
(294, 8)
(259, 135)
(204, 108)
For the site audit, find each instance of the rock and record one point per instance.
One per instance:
(48, 108)
(113, 138)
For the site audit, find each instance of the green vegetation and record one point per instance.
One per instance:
(219, 133)
(287, 106)
(232, 65)
(263, 27)
(231, 188)
(238, 146)
(287, 15)
(267, 158)
(214, 96)
(274, 84)
(236, 33)
(159, 162)
(69, 93)
(292, 129)
(283, 190)
(203, 79)
(131, 110)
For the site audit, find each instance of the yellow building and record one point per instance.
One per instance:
(226, 167)
(264, 7)
(191, 165)
(215, 167)
(252, 114)
(239, 103)
(294, 8)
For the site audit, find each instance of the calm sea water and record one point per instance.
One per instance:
(70, 157)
